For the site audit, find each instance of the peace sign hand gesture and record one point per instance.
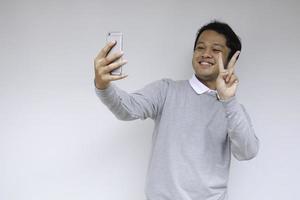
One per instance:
(227, 81)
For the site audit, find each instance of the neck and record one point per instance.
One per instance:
(211, 84)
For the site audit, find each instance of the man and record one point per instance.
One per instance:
(198, 122)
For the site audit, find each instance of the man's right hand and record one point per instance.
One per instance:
(104, 64)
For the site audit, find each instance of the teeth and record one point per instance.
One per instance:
(205, 63)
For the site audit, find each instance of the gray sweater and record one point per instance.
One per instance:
(193, 137)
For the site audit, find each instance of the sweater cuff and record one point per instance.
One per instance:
(230, 105)
(105, 92)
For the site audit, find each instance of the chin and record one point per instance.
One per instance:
(206, 72)
(206, 76)
(202, 72)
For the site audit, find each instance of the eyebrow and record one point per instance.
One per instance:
(214, 44)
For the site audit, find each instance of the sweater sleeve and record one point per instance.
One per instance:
(244, 143)
(144, 103)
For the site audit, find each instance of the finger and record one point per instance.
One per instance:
(233, 80)
(230, 73)
(231, 65)
(114, 65)
(220, 63)
(109, 59)
(114, 56)
(104, 51)
(222, 72)
(234, 85)
(228, 78)
(116, 77)
(232, 61)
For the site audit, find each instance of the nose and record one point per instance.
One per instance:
(207, 53)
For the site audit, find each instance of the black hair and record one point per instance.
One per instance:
(233, 41)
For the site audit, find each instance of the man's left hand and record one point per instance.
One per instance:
(227, 81)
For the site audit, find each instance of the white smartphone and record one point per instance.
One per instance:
(118, 37)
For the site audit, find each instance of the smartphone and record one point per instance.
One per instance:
(118, 37)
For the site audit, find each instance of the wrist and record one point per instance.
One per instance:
(100, 86)
(224, 98)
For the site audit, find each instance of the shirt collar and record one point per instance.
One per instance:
(199, 87)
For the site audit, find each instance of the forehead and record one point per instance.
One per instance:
(212, 37)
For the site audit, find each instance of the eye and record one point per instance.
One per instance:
(217, 50)
(199, 48)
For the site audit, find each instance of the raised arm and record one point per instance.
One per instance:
(244, 143)
(144, 103)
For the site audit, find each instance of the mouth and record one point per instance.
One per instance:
(206, 63)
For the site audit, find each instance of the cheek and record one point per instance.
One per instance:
(195, 58)
(224, 58)
(196, 54)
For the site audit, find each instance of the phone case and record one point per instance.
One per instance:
(117, 36)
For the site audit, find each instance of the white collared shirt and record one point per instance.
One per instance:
(199, 87)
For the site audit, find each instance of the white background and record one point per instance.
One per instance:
(58, 141)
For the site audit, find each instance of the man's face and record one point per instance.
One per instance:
(209, 45)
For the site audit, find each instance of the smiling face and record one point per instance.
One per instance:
(209, 45)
